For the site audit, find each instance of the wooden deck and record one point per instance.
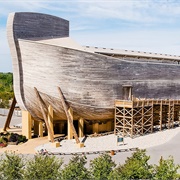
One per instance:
(142, 116)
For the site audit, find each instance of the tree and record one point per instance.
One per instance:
(43, 167)
(135, 167)
(11, 167)
(166, 169)
(6, 89)
(102, 166)
(76, 169)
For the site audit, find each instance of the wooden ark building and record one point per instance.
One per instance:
(56, 79)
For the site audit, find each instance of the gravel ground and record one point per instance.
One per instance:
(109, 142)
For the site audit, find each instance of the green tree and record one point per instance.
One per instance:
(102, 166)
(43, 168)
(135, 167)
(6, 89)
(76, 169)
(11, 167)
(166, 169)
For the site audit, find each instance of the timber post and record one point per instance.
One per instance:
(41, 104)
(68, 115)
(27, 124)
(10, 113)
(81, 127)
(50, 121)
(70, 130)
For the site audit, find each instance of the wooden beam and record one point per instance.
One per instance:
(152, 118)
(69, 117)
(95, 127)
(10, 113)
(81, 127)
(42, 106)
(69, 129)
(38, 128)
(50, 121)
(27, 124)
(142, 124)
(161, 114)
(132, 122)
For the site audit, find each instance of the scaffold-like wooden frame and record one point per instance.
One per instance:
(142, 116)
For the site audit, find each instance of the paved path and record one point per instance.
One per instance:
(14, 121)
(172, 147)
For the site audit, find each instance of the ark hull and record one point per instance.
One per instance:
(90, 82)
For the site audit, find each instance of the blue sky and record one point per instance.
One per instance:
(144, 25)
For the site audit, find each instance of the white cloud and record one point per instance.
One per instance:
(5, 59)
(91, 22)
(151, 41)
(139, 11)
(4, 48)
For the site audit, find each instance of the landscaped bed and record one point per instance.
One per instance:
(11, 139)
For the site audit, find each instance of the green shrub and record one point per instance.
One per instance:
(43, 168)
(166, 169)
(76, 169)
(102, 166)
(135, 167)
(13, 137)
(21, 138)
(11, 167)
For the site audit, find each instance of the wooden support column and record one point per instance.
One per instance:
(70, 130)
(109, 126)
(42, 106)
(26, 124)
(9, 116)
(38, 128)
(152, 116)
(81, 127)
(50, 121)
(96, 128)
(124, 125)
(160, 115)
(132, 123)
(61, 127)
(69, 117)
(171, 114)
(142, 124)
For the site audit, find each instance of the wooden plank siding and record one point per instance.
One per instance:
(89, 81)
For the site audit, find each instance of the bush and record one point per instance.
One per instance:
(43, 167)
(21, 138)
(11, 167)
(14, 137)
(102, 166)
(166, 169)
(75, 169)
(135, 167)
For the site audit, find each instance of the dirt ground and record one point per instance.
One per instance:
(25, 148)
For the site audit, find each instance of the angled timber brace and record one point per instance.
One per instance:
(69, 117)
(10, 113)
(42, 106)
